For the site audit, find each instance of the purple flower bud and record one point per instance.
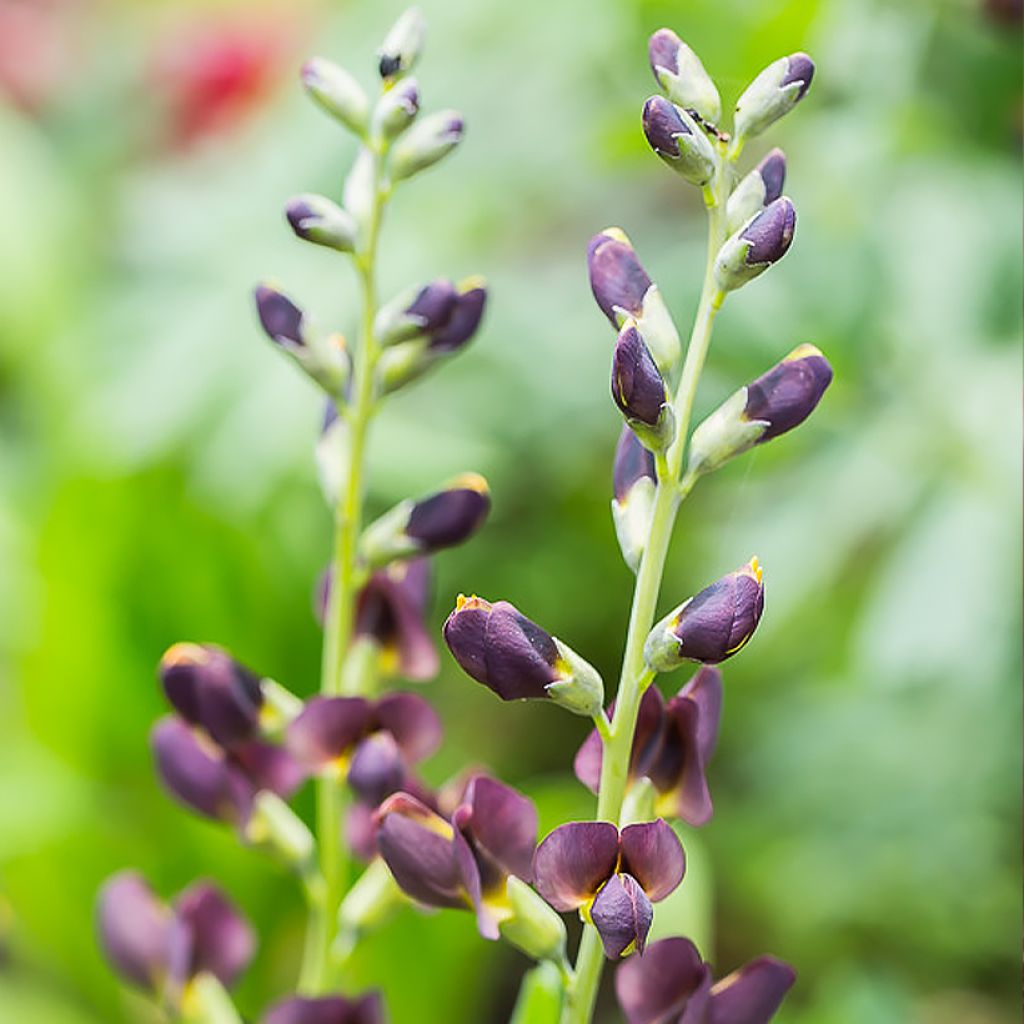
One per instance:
(316, 219)
(678, 140)
(634, 482)
(403, 44)
(614, 876)
(377, 768)
(279, 317)
(772, 171)
(208, 688)
(450, 516)
(368, 1009)
(633, 462)
(789, 392)
(764, 240)
(711, 626)
(775, 91)
(396, 109)
(134, 929)
(337, 92)
(761, 187)
(680, 73)
(463, 320)
(639, 390)
(671, 983)
(799, 71)
(425, 143)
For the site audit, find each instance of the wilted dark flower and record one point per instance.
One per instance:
(670, 984)
(775, 403)
(639, 390)
(764, 240)
(680, 73)
(612, 877)
(316, 219)
(774, 93)
(678, 140)
(368, 1009)
(672, 744)
(711, 626)
(161, 948)
(337, 92)
(762, 186)
(370, 743)
(463, 863)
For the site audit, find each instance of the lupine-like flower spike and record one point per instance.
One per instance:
(762, 241)
(634, 482)
(426, 142)
(323, 357)
(396, 110)
(337, 92)
(316, 219)
(680, 73)
(611, 877)
(639, 391)
(678, 140)
(773, 94)
(465, 862)
(672, 745)
(165, 949)
(497, 645)
(762, 186)
(670, 984)
(775, 403)
(441, 520)
(623, 290)
(403, 44)
(712, 625)
(326, 1010)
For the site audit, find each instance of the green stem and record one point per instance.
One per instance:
(346, 579)
(636, 677)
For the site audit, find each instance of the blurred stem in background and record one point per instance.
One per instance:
(636, 676)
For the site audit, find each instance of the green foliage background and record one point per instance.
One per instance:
(158, 484)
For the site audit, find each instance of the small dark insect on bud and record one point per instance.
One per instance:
(678, 140)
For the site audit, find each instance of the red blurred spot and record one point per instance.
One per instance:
(36, 44)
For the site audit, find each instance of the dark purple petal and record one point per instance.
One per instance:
(450, 516)
(469, 867)
(770, 232)
(637, 386)
(800, 69)
(773, 173)
(417, 847)
(361, 830)
(434, 305)
(209, 934)
(632, 462)
(622, 915)
(503, 826)
(268, 766)
(789, 392)
(412, 722)
(752, 994)
(198, 774)
(326, 729)
(719, 620)
(617, 279)
(134, 929)
(279, 316)
(663, 51)
(574, 861)
(463, 321)
(705, 690)
(369, 1009)
(376, 769)
(653, 855)
(662, 123)
(655, 988)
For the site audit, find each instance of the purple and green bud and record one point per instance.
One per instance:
(775, 403)
(370, 902)
(337, 92)
(670, 984)
(773, 94)
(396, 110)
(441, 520)
(679, 71)
(402, 45)
(634, 483)
(639, 391)
(316, 219)
(497, 645)
(425, 143)
(359, 194)
(610, 877)
(761, 242)
(420, 311)
(761, 187)
(464, 862)
(623, 291)
(712, 625)
(323, 357)
(331, 453)
(167, 949)
(368, 1009)
(678, 140)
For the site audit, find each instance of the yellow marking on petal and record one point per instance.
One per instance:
(190, 1000)
(389, 660)
(617, 235)
(471, 283)
(469, 482)
(497, 902)
(753, 570)
(184, 654)
(804, 351)
(337, 341)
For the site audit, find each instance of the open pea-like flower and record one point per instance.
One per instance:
(164, 949)
(672, 985)
(672, 745)
(611, 877)
(463, 862)
(369, 743)
(367, 1009)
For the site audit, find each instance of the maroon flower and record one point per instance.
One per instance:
(670, 984)
(367, 1009)
(611, 877)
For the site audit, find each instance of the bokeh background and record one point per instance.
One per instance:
(157, 479)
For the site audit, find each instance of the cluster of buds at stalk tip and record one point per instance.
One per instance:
(775, 403)
(497, 645)
(612, 878)
(712, 625)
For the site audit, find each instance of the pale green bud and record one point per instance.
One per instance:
(373, 899)
(403, 44)
(396, 110)
(762, 241)
(275, 827)
(360, 191)
(580, 689)
(206, 1001)
(334, 89)
(425, 143)
(331, 454)
(681, 74)
(316, 219)
(532, 926)
(773, 94)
